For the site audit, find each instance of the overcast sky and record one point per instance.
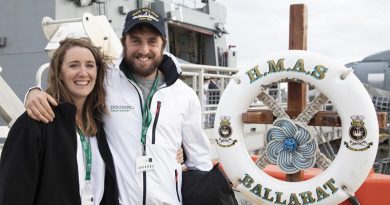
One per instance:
(345, 29)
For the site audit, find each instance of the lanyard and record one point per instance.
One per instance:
(146, 115)
(86, 145)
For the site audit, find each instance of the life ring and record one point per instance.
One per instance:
(359, 123)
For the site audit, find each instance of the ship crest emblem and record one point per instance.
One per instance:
(357, 133)
(225, 131)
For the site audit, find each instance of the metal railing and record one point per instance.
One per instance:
(38, 75)
(197, 76)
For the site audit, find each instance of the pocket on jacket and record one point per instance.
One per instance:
(156, 116)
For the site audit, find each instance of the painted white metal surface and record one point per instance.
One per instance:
(10, 105)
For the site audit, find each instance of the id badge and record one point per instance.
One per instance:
(87, 198)
(144, 163)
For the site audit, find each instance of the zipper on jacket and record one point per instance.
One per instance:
(177, 184)
(155, 122)
(144, 172)
(157, 111)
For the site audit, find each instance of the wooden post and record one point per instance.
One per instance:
(297, 91)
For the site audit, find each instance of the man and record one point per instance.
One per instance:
(152, 114)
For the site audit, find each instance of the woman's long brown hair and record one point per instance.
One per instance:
(94, 106)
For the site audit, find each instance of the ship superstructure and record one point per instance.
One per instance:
(196, 31)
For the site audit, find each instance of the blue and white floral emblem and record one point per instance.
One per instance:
(290, 145)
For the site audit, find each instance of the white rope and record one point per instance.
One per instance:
(312, 109)
(237, 79)
(268, 100)
(322, 161)
(346, 73)
(262, 161)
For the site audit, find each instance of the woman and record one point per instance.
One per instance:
(66, 161)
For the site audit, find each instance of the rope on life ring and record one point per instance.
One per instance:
(321, 160)
(292, 147)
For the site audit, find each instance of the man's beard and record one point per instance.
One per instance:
(142, 71)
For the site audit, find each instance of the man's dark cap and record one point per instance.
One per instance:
(144, 16)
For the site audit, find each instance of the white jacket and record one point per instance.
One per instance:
(176, 121)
